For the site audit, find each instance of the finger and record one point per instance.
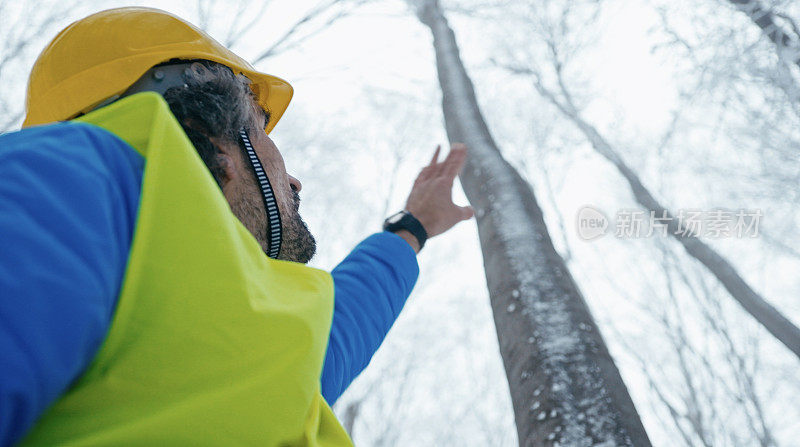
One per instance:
(435, 155)
(455, 161)
(424, 174)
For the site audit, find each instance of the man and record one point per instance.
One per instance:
(152, 286)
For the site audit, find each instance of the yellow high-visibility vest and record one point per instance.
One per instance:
(212, 343)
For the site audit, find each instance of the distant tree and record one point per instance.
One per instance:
(779, 28)
(564, 385)
(704, 380)
(561, 97)
(244, 16)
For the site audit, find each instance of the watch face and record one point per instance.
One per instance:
(394, 218)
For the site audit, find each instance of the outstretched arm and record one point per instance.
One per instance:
(371, 286)
(373, 282)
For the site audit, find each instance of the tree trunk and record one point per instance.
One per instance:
(565, 388)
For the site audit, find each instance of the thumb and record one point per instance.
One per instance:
(467, 212)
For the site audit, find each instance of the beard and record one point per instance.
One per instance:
(297, 242)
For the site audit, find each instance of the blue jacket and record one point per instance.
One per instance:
(69, 195)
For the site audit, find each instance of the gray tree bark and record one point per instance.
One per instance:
(565, 388)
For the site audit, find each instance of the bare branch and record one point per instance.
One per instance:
(293, 36)
(775, 322)
(787, 45)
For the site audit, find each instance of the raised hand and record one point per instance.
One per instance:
(431, 197)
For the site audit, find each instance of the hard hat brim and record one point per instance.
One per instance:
(272, 93)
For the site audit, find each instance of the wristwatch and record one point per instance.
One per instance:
(404, 220)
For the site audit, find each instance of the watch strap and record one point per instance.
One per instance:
(407, 222)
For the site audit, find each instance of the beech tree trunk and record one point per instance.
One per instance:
(565, 388)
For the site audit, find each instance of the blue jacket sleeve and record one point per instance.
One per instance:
(69, 195)
(371, 286)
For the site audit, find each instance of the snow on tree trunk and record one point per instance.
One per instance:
(565, 388)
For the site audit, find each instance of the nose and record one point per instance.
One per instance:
(295, 184)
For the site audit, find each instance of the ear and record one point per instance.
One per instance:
(228, 170)
(226, 161)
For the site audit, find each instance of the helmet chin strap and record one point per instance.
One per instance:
(270, 204)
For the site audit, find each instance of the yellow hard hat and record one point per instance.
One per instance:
(101, 55)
